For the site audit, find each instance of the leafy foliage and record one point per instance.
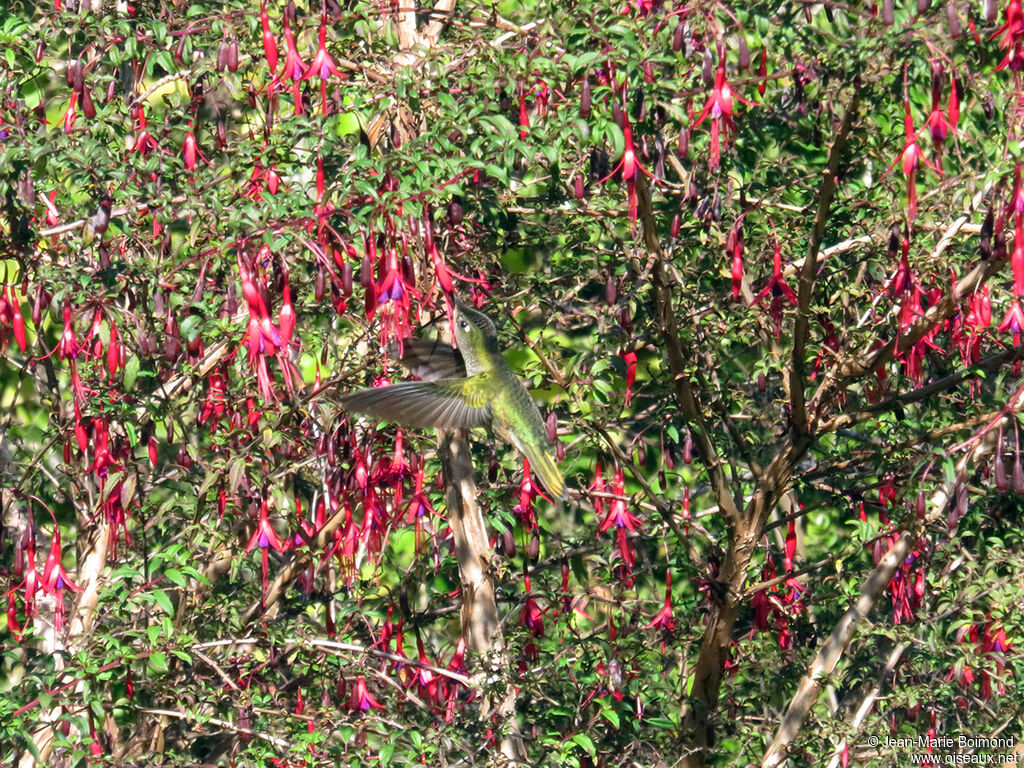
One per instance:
(762, 262)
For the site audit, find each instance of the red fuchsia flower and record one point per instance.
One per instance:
(55, 579)
(978, 319)
(790, 551)
(938, 126)
(524, 510)
(70, 114)
(624, 521)
(361, 700)
(734, 247)
(144, 142)
(664, 619)
(911, 156)
(293, 66)
(761, 602)
(451, 688)
(419, 509)
(903, 280)
(374, 528)
(269, 43)
(776, 287)
(629, 358)
(265, 537)
(719, 108)
(214, 405)
(68, 347)
(52, 214)
(425, 679)
(322, 65)
(30, 578)
(1013, 321)
(1017, 257)
(1012, 31)
(16, 318)
(532, 617)
(628, 163)
(190, 151)
(395, 295)
(762, 72)
(980, 315)
(524, 115)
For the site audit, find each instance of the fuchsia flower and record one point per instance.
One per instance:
(1013, 321)
(622, 519)
(265, 537)
(719, 108)
(628, 164)
(664, 620)
(911, 156)
(361, 700)
(55, 579)
(322, 64)
(190, 151)
(776, 287)
(269, 43)
(293, 65)
(629, 358)
(419, 509)
(524, 115)
(144, 141)
(1012, 31)
(938, 125)
(532, 617)
(734, 247)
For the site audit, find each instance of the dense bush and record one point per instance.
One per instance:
(762, 263)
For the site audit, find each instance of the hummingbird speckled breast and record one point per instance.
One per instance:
(488, 395)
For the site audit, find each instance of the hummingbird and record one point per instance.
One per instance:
(487, 394)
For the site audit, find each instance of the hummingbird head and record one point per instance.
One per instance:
(474, 331)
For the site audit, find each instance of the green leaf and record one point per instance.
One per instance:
(584, 741)
(131, 372)
(164, 601)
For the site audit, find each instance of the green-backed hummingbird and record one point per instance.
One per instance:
(487, 395)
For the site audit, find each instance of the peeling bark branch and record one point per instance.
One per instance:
(481, 625)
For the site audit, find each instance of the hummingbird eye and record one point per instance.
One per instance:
(463, 325)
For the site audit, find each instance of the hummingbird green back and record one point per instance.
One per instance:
(489, 395)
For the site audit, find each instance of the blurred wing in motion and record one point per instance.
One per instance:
(429, 359)
(443, 404)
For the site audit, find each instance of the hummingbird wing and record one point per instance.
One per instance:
(429, 359)
(443, 404)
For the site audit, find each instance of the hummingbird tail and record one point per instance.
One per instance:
(543, 465)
